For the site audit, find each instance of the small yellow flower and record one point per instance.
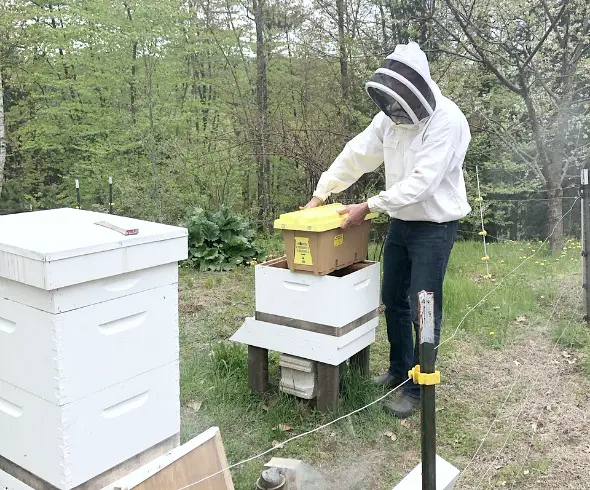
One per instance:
(492, 333)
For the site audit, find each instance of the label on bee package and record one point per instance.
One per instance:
(338, 240)
(302, 251)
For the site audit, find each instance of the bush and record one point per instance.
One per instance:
(219, 241)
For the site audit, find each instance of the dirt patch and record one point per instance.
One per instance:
(530, 404)
(359, 473)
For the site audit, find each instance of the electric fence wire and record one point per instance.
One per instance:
(503, 280)
(299, 436)
(483, 230)
(345, 416)
(558, 380)
(510, 390)
(524, 403)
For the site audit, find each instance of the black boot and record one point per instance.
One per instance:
(387, 380)
(403, 406)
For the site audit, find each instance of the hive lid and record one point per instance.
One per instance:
(65, 233)
(321, 218)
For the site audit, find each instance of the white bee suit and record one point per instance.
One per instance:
(420, 135)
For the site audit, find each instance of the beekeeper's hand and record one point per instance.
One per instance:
(314, 203)
(356, 215)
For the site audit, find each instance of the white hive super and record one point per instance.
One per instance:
(339, 312)
(88, 341)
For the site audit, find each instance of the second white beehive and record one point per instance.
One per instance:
(89, 372)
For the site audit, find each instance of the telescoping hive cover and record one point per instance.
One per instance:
(315, 241)
(319, 219)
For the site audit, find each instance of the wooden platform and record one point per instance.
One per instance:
(100, 481)
(328, 394)
(184, 466)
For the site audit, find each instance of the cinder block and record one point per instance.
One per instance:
(446, 477)
(290, 468)
(298, 376)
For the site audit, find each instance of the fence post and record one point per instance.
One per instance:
(585, 192)
(428, 415)
(78, 194)
(111, 195)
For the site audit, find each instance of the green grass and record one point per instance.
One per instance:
(214, 372)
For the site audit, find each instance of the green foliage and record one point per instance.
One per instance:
(162, 96)
(219, 241)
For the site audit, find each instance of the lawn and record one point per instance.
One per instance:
(520, 360)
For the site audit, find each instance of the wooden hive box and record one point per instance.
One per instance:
(88, 343)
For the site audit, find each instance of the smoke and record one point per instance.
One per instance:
(348, 477)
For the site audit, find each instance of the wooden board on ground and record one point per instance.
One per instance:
(197, 459)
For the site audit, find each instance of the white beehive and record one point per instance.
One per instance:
(326, 319)
(335, 300)
(88, 341)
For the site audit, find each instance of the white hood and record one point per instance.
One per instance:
(402, 87)
(423, 149)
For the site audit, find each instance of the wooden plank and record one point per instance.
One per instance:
(99, 481)
(307, 345)
(361, 361)
(199, 458)
(258, 369)
(315, 327)
(328, 387)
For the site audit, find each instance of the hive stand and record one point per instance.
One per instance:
(327, 319)
(328, 376)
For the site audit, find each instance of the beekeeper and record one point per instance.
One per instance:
(422, 137)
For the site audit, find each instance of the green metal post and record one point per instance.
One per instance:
(427, 365)
(78, 194)
(110, 195)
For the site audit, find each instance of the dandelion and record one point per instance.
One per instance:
(492, 333)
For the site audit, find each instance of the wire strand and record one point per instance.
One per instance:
(501, 409)
(483, 231)
(535, 382)
(280, 445)
(503, 280)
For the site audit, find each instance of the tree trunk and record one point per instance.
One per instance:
(344, 79)
(555, 213)
(261, 137)
(132, 82)
(551, 165)
(555, 174)
(2, 135)
(149, 69)
(349, 193)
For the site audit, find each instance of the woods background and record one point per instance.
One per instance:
(244, 103)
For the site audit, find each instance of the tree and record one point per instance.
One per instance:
(261, 145)
(534, 51)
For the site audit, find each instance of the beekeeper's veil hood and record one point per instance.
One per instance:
(402, 87)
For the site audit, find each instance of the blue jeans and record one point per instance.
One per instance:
(415, 258)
